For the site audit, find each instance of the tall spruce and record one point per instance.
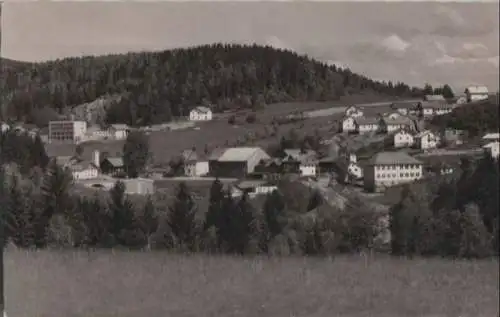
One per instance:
(122, 214)
(181, 220)
(136, 153)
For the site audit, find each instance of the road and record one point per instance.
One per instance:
(336, 110)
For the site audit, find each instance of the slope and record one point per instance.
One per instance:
(158, 86)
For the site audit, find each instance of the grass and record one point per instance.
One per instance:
(104, 283)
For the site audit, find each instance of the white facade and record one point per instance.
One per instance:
(307, 169)
(491, 137)
(391, 169)
(476, 93)
(5, 127)
(119, 131)
(426, 140)
(195, 169)
(403, 138)
(73, 131)
(348, 124)
(355, 170)
(84, 172)
(200, 114)
(353, 111)
(260, 189)
(493, 149)
(461, 100)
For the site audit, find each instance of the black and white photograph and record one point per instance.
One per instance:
(249, 158)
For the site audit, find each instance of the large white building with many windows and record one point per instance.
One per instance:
(67, 131)
(386, 169)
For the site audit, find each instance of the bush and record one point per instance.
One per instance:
(251, 118)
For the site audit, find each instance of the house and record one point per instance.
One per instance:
(492, 149)
(139, 186)
(200, 114)
(83, 170)
(112, 166)
(236, 162)
(476, 93)
(353, 111)
(194, 165)
(403, 138)
(426, 140)
(392, 124)
(271, 169)
(253, 188)
(442, 164)
(119, 131)
(303, 161)
(434, 98)
(405, 108)
(67, 131)
(435, 108)
(386, 169)
(366, 125)
(348, 124)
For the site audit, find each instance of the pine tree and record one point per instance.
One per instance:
(181, 220)
(149, 219)
(135, 153)
(273, 213)
(447, 92)
(123, 223)
(476, 241)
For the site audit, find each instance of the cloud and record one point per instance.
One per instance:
(395, 43)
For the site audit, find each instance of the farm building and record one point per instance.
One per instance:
(403, 138)
(303, 161)
(119, 131)
(427, 140)
(112, 166)
(405, 108)
(200, 114)
(393, 123)
(386, 169)
(435, 108)
(476, 93)
(366, 125)
(83, 170)
(253, 188)
(236, 162)
(194, 165)
(354, 112)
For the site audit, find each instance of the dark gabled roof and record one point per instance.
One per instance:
(366, 120)
(115, 161)
(392, 158)
(404, 105)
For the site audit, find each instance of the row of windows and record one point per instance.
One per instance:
(393, 175)
(393, 167)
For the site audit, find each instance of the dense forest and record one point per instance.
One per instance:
(159, 86)
(453, 216)
(476, 118)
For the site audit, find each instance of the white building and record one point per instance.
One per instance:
(403, 138)
(354, 170)
(253, 188)
(348, 124)
(119, 131)
(492, 149)
(426, 140)
(476, 93)
(84, 171)
(405, 108)
(353, 111)
(200, 114)
(67, 131)
(395, 122)
(194, 166)
(435, 108)
(386, 169)
(236, 162)
(434, 98)
(306, 161)
(366, 125)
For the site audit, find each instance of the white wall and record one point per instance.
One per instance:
(348, 125)
(307, 169)
(403, 139)
(200, 116)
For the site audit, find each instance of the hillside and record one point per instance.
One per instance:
(157, 86)
(475, 118)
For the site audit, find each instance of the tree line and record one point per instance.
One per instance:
(456, 216)
(158, 86)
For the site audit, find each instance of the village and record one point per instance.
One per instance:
(406, 150)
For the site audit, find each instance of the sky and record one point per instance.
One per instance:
(435, 42)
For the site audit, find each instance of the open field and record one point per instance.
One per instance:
(77, 284)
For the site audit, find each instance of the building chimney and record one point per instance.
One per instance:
(96, 158)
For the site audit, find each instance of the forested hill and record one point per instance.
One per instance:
(157, 86)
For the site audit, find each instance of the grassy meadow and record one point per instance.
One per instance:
(105, 283)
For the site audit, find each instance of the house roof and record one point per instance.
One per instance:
(189, 155)
(240, 154)
(300, 156)
(201, 109)
(423, 133)
(400, 120)
(81, 166)
(476, 90)
(434, 98)
(491, 144)
(120, 126)
(491, 136)
(404, 105)
(366, 120)
(392, 158)
(115, 161)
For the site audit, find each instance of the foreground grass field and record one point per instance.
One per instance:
(65, 283)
